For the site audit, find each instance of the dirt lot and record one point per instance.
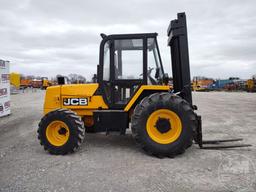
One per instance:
(114, 163)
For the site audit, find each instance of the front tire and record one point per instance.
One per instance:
(61, 132)
(162, 124)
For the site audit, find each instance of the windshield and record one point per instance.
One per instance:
(128, 58)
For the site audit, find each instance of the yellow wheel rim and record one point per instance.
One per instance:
(167, 136)
(57, 133)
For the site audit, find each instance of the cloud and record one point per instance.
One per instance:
(62, 36)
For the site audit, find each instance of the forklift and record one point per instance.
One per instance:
(45, 82)
(132, 90)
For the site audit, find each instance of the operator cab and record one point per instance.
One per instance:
(128, 61)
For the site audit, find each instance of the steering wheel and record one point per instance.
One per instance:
(149, 71)
(153, 81)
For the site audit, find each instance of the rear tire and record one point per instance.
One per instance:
(65, 136)
(163, 139)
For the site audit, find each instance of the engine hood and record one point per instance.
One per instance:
(79, 89)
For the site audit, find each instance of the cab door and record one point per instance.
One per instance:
(127, 71)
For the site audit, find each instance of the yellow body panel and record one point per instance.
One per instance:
(52, 99)
(55, 96)
(15, 80)
(143, 88)
(79, 89)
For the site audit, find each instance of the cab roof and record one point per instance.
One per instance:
(129, 36)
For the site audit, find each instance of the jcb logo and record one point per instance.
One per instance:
(75, 102)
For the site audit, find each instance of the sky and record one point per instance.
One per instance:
(50, 37)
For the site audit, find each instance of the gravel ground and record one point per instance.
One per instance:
(114, 163)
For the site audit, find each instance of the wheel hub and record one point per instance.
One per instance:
(163, 125)
(62, 131)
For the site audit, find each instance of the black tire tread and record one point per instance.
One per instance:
(77, 138)
(143, 107)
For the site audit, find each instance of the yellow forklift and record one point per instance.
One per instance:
(45, 82)
(251, 84)
(131, 91)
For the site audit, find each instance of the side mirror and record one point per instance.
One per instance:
(166, 79)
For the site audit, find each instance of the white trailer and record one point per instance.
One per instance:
(5, 103)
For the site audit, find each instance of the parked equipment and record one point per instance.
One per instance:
(201, 84)
(131, 87)
(251, 85)
(15, 80)
(36, 83)
(45, 83)
(25, 83)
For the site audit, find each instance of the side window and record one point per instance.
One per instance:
(106, 65)
(129, 59)
(154, 66)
